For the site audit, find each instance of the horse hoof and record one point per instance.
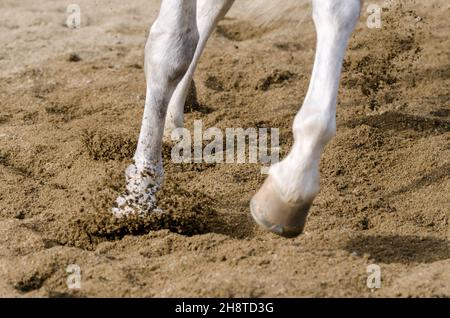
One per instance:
(273, 214)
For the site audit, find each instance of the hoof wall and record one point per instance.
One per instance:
(273, 214)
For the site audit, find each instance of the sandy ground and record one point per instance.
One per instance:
(68, 128)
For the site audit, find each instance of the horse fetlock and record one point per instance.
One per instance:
(139, 198)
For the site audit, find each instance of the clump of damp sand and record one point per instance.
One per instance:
(183, 212)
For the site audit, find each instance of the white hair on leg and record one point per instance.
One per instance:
(208, 15)
(283, 202)
(169, 50)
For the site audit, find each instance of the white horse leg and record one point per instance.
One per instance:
(209, 13)
(282, 203)
(169, 50)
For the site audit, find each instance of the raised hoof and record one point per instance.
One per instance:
(273, 214)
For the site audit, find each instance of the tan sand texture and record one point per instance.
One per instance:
(71, 102)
